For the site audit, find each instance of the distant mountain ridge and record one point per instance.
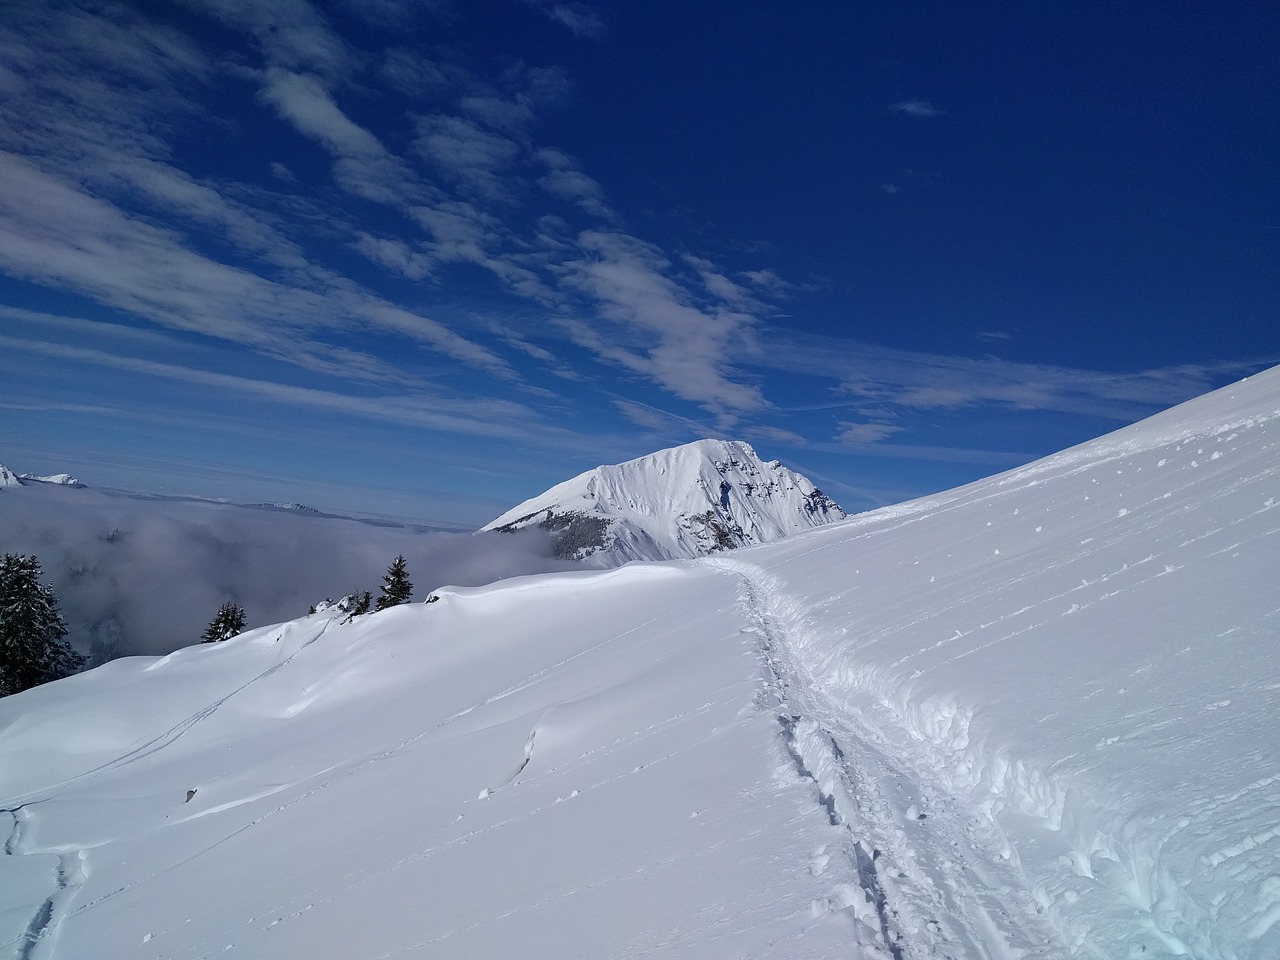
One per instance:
(10, 479)
(683, 502)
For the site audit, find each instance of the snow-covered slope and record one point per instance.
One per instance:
(683, 502)
(1071, 672)
(8, 478)
(1034, 717)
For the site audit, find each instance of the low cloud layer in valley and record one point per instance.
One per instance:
(144, 576)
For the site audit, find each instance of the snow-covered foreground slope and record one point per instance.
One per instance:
(684, 502)
(1072, 671)
(567, 766)
(1031, 718)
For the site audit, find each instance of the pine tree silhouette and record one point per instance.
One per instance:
(226, 623)
(32, 648)
(396, 587)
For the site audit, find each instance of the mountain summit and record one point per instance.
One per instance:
(10, 479)
(683, 502)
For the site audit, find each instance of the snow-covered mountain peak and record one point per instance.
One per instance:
(10, 479)
(58, 479)
(682, 502)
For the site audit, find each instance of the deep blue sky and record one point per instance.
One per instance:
(429, 258)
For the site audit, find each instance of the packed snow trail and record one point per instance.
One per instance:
(937, 880)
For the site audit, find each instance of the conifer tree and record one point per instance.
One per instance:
(396, 587)
(363, 602)
(226, 623)
(32, 645)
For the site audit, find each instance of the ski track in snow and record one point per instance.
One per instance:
(41, 931)
(175, 732)
(937, 880)
(37, 941)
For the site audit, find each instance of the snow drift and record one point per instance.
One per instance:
(683, 502)
(1033, 717)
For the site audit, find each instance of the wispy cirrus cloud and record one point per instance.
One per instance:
(361, 163)
(916, 107)
(776, 435)
(289, 34)
(644, 417)
(579, 18)
(565, 180)
(395, 255)
(478, 161)
(768, 282)
(438, 411)
(899, 381)
(865, 433)
(53, 233)
(657, 330)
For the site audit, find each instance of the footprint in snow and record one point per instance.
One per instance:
(818, 865)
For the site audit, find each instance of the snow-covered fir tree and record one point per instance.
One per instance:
(32, 645)
(396, 586)
(226, 623)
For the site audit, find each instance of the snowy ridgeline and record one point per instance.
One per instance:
(10, 479)
(1034, 717)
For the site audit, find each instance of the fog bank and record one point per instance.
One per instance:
(145, 576)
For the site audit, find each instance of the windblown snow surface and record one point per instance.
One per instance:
(1034, 717)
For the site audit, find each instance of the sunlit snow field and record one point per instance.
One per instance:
(1033, 717)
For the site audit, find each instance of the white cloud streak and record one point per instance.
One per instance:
(864, 433)
(579, 18)
(468, 416)
(904, 381)
(53, 233)
(686, 349)
(362, 164)
(921, 109)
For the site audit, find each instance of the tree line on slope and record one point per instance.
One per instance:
(33, 646)
(396, 589)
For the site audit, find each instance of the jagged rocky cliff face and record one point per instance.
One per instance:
(683, 502)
